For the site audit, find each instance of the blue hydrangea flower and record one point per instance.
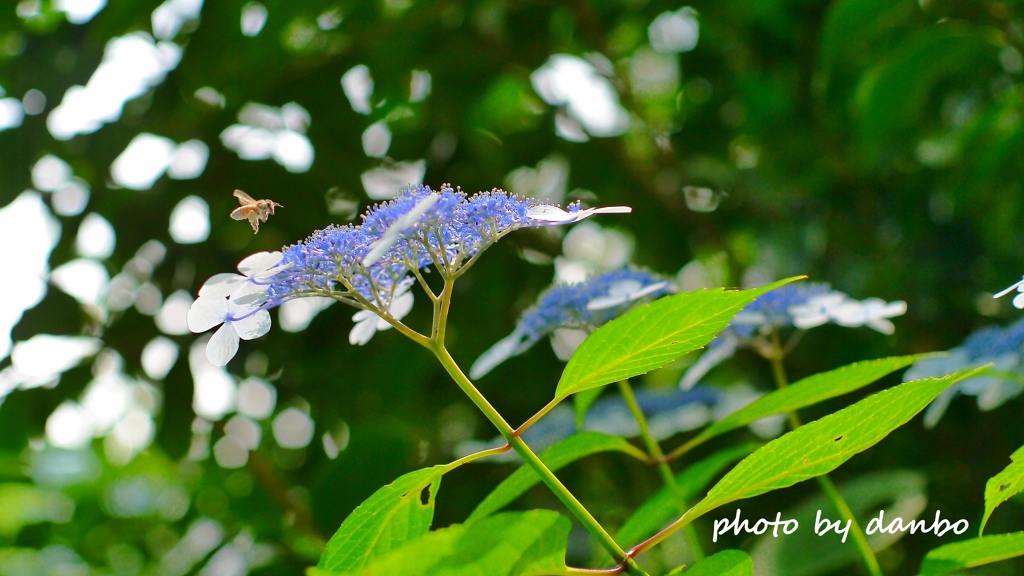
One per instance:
(372, 265)
(586, 305)
(1003, 347)
(803, 306)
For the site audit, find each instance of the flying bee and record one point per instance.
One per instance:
(255, 211)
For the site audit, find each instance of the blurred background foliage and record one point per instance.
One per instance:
(873, 144)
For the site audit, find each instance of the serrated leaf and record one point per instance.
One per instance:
(724, 563)
(653, 335)
(821, 446)
(508, 544)
(660, 509)
(555, 457)
(806, 392)
(974, 552)
(391, 517)
(1003, 486)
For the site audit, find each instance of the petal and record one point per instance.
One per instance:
(502, 350)
(248, 297)
(937, 408)
(223, 346)
(605, 302)
(1017, 286)
(625, 288)
(809, 320)
(253, 326)
(206, 313)
(410, 218)
(893, 309)
(362, 331)
(363, 315)
(715, 355)
(259, 262)
(1018, 301)
(648, 290)
(882, 325)
(221, 285)
(549, 213)
(610, 210)
(401, 305)
(381, 247)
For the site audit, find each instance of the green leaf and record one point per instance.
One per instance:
(823, 445)
(653, 335)
(806, 392)
(508, 544)
(899, 493)
(391, 517)
(581, 403)
(724, 563)
(661, 508)
(974, 552)
(1004, 485)
(565, 452)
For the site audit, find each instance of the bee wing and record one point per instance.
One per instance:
(244, 198)
(241, 213)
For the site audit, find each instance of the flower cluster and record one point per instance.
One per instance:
(370, 266)
(582, 306)
(803, 306)
(1002, 347)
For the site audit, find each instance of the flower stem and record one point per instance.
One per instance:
(548, 477)
(824, 482)
(654, 450)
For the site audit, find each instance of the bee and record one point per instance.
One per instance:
(255, 211)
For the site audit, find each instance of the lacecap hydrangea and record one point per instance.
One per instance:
(372, 265)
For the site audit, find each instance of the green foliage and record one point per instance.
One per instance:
(806, 392)
(659, 509)
(555, 457)
(724, 563)
(394, 515)
(821, 446)
(1003, 486)
(507, 544)
(971, 553)
(24, 504)
(653, 335)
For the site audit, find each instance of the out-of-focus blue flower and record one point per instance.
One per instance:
(371, 266)
(586, 305)
(801, 305)
(1003, 347)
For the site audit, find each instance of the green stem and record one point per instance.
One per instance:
(654, 450)
(826, 484)
(548, 477)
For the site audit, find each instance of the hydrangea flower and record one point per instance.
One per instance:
(1003, 347)
(585, 305)
(803, 306)
(256, 271)
(235, 321)
(368, 323)
(1018, 300)
(372, 265)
